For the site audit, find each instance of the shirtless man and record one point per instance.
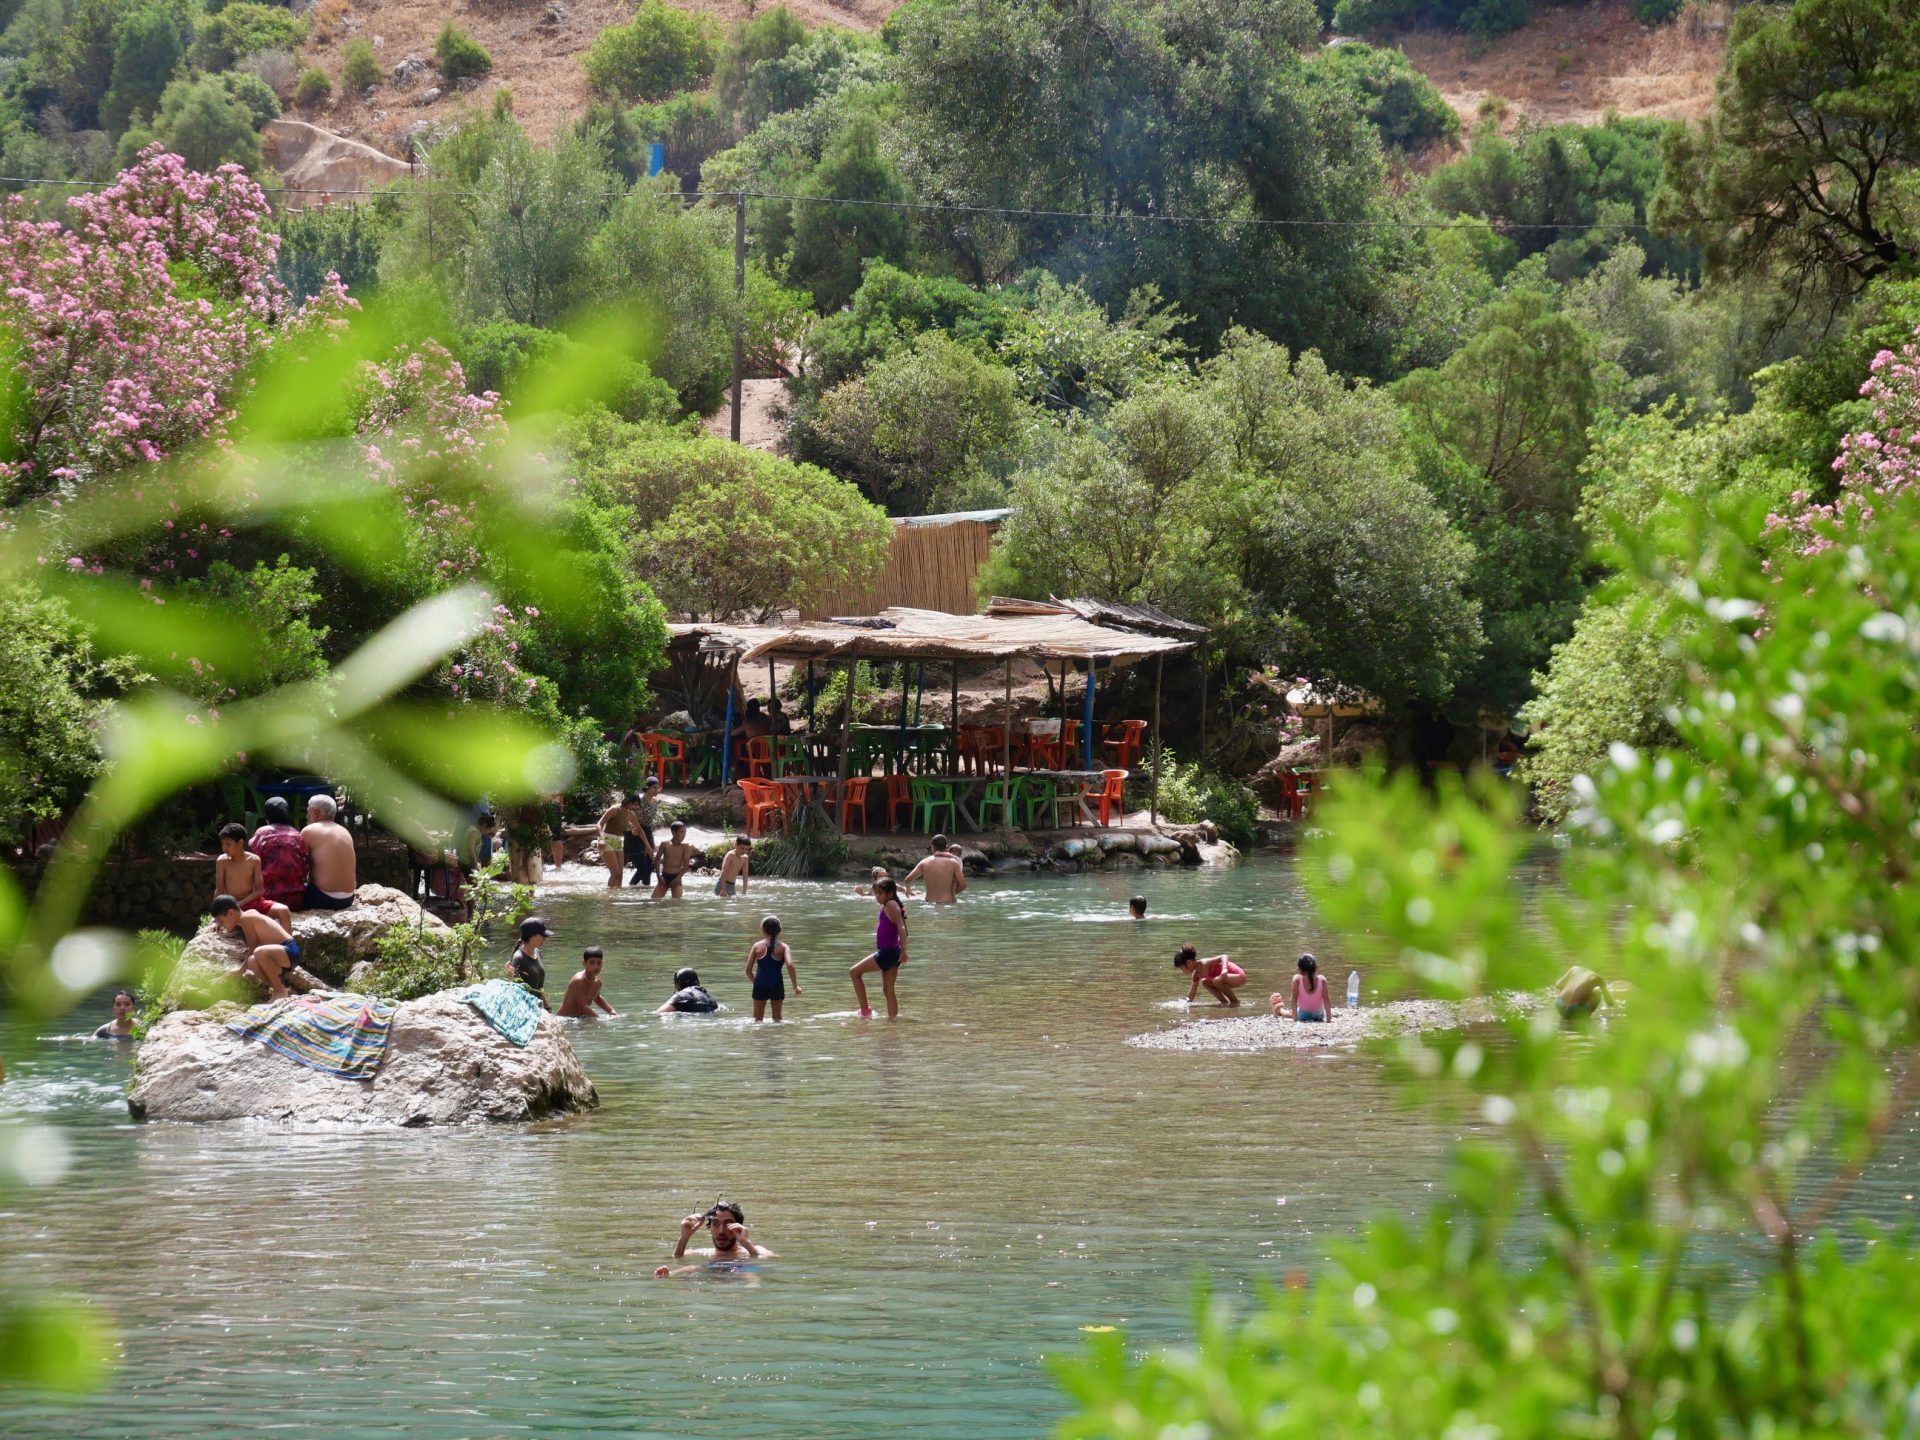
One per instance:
(583, 991)
(727, 1228)
(330, 852)
(941, 874)
(237, 873)
(617, 822)
(272, 952)
(675, 858)
(734, 868)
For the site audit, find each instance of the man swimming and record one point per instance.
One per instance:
(941, 872)
(727, 1228)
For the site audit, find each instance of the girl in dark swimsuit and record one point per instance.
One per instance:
(764, 961)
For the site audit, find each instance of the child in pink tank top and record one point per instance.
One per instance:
(1217, 972)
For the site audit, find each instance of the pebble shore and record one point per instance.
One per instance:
(1251, 1028)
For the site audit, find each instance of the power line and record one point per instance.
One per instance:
(941, 207)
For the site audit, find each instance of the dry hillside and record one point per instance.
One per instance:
(1574, 62)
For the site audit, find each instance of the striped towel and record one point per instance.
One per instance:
(336, 1034)
(508, 1006)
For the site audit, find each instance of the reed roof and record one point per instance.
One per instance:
(904, 633)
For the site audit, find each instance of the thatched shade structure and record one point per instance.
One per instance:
(1056, 634)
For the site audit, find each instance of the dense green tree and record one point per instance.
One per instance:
(658, 52)
(52, 693)
(1133, 112)
(149, 45)
(202, 122)
(832, 242)
(925, 426)
(1805, 166)
(1404, 105)
(242, 27)
(343, 240)
(538, 212)
(1515, 402)
(458, 55)
(763, 39)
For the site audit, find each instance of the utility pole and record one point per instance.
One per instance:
(739, 307)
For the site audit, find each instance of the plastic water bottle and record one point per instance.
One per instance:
(1353, 990)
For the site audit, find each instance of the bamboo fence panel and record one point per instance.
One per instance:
(929, 567)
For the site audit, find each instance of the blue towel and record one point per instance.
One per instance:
(336, 1034)
(508, 1006)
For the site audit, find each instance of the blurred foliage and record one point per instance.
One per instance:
(1745, 891)
(418, 962)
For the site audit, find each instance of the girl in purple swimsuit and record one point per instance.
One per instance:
(889, 952)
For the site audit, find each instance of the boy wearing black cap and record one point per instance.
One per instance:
(524, 964)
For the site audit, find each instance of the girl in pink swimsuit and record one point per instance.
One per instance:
(889, 948)
(1310, 1001)
(1219, 974)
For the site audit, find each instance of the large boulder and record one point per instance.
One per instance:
(444, 1066)
(332, 944)
(315, 160)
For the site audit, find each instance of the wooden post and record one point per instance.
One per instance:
(953, 721)
(1201, 656)
(739, 312)
(846, 755)
(810, 693)
(772, 690)
(1006, 740)
(1153, 805)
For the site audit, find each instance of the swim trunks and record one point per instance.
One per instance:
(723, 888)
(612, 844)
(292, 947)
(671, 880)
(1311, 1015)
(262, 904)
(314, 898)
(887, 957)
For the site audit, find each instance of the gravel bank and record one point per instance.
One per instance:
(1250, 1029)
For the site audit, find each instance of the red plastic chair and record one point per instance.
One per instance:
(759, 757)
(663, 753)
(852, 803)
(899, 797)
(1124, 741)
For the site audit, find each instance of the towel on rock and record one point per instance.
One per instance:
(334, 1033)
(508, 1006)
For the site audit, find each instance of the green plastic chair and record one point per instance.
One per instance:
(707, 767)
(789, 756)
(1001, 793)
(930, 797)
(1038, 796)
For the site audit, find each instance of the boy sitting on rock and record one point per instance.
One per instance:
(237, 873)
(272, 952)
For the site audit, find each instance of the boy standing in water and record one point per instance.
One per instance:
(734, 868)
(1219, 974)
(237, 873)
(889, 949)
(764, 963)
(1137, 907)
(271, 949)
(674, 858)
(583, 991)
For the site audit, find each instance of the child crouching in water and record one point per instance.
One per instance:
(764, 962)
(1219, 974)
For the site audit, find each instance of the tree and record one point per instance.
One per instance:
(459, 55)
(204, 123)
(833, 243)
(930, 419)
(1804, 163)
(359, 67)
(538, 212)
(1405, 106)
(1515, 402)
(242, 28)
(657, 53)
(53, 694)
(149, 45)
(747, 535)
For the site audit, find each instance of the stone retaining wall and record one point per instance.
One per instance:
(173, 894)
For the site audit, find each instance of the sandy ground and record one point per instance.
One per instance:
(1252, 1027)
(760, 427)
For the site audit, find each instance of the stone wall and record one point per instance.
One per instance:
(173, 894)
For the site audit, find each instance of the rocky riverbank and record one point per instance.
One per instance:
(1253, 1027)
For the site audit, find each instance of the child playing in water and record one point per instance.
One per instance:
(734, 868)
(583, 991)
(764, 962)
(121, 1026)
(1137, 907)
(272, 952)
(690, 997)
(1309, 1000)
(1580, 992)
(879, 874)
(889, 949)
(1219, 974)
(237, 873)
(675, 859)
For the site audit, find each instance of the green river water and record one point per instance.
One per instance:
(953, 1196)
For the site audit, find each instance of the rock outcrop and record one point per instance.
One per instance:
(319, 160)
(332, 944)
(444, 1066)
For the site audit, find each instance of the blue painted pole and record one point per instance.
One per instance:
(900, 749)
(726, 740)
(1086, 719)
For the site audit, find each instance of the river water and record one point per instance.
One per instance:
(953, 1197)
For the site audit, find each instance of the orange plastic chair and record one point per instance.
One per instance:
(759, 757)
(663, 753)
(852, 803)
(1125, 740)
(991, 747)
(899, 797)
(1111, 796)
(763, 806)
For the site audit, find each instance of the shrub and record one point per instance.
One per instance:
(243, 28)
(459, 55)
(250, 92)
(1404, 105)
(313, 89)
(1656, 12)
(359, 70)
(656, 54)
